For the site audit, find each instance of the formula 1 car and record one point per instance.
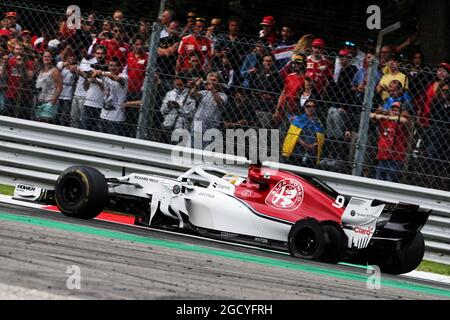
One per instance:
(268, 208)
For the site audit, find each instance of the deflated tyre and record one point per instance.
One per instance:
(306, 239)
(81, 192)
(335, 242)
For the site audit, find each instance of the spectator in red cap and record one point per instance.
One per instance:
(5, 34)
(12, 18)
(318, 67)
(288, 102)
(358, 58)
(268, 32)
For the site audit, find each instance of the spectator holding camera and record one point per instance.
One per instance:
(104, 34)
(115, 87)
(116, 45)
(178, 108)
(94, 86)
(167, 54)
(198, 44)
(68, 69)
(79, 96)
(211, 102)
(19, 72)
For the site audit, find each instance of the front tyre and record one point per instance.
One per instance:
(306, 239)
(81, 192)
(408, 258)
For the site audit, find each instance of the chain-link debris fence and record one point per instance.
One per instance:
(92, 73)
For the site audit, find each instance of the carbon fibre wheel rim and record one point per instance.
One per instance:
(72, 191)
(306, 242)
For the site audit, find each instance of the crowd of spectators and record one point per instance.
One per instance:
(207, 71)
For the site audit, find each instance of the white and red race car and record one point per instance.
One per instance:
(268, 208)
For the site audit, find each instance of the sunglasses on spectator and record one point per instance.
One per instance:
(350, 44)
(310, 105)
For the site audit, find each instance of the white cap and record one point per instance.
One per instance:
(54, 43)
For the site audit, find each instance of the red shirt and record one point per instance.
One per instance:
(15, 80)
(319, 71)
(190, 44)
(114, 49)
(136, 68)
(392, 141)
(424, 106)
(66, 32)
(292, 85)
(272, 38)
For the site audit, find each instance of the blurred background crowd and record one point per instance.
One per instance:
(93, 76)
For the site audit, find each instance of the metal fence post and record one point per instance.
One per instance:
(361, 143)
(150, 86)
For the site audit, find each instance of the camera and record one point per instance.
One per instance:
(173, 104)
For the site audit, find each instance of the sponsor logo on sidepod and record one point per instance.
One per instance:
(286, 195)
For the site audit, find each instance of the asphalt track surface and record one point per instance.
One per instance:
(125, 262)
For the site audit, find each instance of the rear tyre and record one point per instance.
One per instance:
(408, 258)
(81, 192)
(306, 240)
(335, 242)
